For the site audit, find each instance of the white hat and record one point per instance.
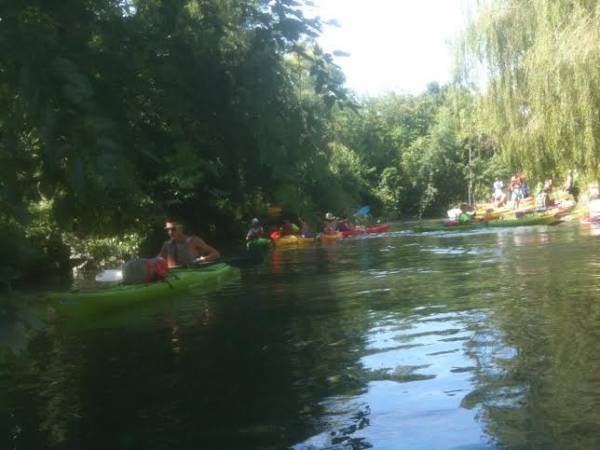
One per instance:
(329, 216)
(254, 221)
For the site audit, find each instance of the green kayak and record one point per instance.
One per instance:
(100, 302)
(260, 243)
(526, 221)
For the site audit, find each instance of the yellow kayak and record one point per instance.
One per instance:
(292, 240)
(326, 238)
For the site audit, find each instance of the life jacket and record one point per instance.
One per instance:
(145, 270)
(463, 217)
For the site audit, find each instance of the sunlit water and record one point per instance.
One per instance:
(482, 340)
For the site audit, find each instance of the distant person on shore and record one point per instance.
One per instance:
(543, 199)
(184, 250)
(571, 186)
(594, 204)
(516, 183)
(256, 230)
(499, 197)
(524, 188)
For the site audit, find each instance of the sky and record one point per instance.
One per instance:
(394, 45)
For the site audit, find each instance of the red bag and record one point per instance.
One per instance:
(139, 271)
(156, 269)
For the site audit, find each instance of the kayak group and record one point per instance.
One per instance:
(185, 263)
(289, 233)
(183, 251)
(520, 207)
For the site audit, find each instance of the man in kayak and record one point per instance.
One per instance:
(304, 228)
(183, 250)
(330, 225)
(256, 230)
(288, 228)
(465, 215)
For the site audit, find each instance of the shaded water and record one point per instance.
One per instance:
(482, 340)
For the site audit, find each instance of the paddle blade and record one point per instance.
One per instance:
(362, 211)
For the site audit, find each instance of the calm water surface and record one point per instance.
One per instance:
(482, 340)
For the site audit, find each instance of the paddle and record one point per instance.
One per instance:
(362, 211)
(240, 261)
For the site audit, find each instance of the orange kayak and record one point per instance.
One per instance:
(326, 238)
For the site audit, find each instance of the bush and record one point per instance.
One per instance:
(18, 256)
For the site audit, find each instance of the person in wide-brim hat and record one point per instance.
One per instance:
(330, 226)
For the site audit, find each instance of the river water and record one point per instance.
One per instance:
(481, 340)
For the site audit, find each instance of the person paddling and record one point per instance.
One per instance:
(330, 225)
(343, 225)
(183, 250)
(304, 228)
(288, 228)
(256, 230)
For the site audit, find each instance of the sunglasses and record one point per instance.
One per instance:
(170, 229)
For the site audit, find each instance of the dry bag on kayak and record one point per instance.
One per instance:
(138, 271)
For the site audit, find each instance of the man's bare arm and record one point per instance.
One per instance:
(207, 252)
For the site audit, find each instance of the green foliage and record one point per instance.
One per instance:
(114, 115)
(435, 167)
(412, 149)
(390, 191)
(119, 113)
(541, 102)
(174, 106)
(93, 253)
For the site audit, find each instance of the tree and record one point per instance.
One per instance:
(541, 101)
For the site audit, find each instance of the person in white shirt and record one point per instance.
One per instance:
(499, 196)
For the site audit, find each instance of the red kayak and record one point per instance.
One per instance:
(379, 229)
(353, 232)
(455, 223)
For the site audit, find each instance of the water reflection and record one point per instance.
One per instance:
(440, 341)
